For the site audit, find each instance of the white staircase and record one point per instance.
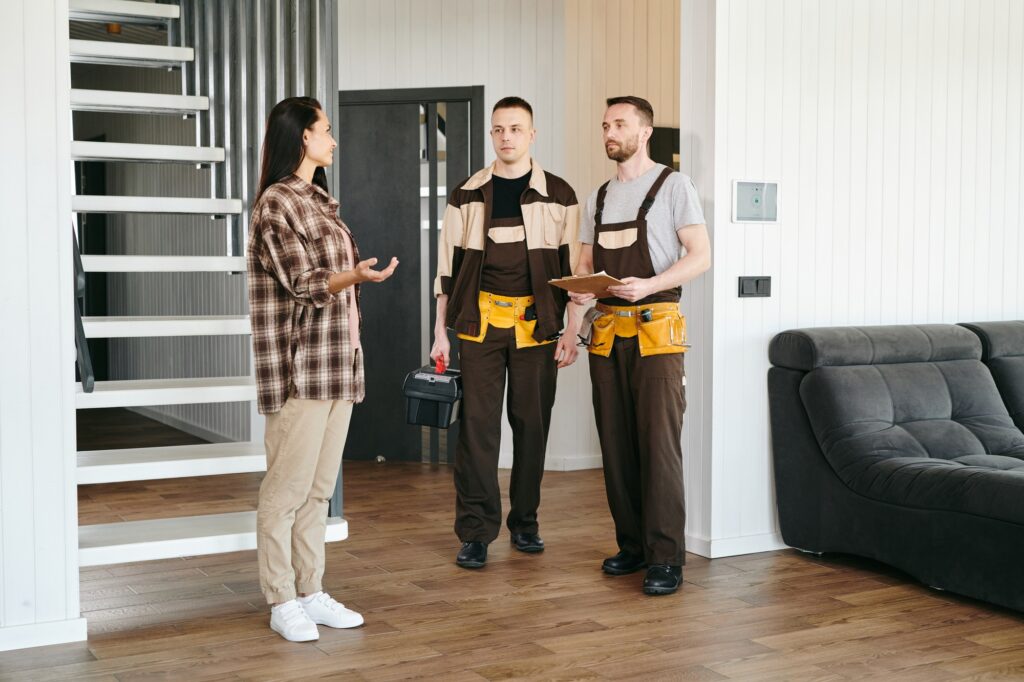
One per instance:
(179, 205)
(152, 153)
(159, 538)
(197, 325)
(117, 102)
(163, 263)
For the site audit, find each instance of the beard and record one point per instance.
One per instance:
(625, 151)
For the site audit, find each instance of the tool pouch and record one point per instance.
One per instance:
(665, 333)
(602, 334)
(586, 325)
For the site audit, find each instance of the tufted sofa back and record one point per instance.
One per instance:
(912, 392)
(1002, 349)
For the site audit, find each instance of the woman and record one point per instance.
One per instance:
(304, 276)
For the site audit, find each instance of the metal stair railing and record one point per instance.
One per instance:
(85, 371)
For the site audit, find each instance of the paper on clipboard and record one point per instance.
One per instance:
(586, 284)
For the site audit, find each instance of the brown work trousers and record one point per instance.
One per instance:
(532, 373)
(639, 404)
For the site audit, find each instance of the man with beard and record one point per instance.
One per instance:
(507, 230)
(632, 228)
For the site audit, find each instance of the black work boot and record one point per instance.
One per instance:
(472, 555)
(663, 579)
(527, 542)
(623, 563)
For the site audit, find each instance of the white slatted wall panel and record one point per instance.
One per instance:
(167, 293)
(39, 594)
(696, 121)
(895, 131)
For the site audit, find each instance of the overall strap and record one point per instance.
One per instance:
(652, 193)
(601, 193)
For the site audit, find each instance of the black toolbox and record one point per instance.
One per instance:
(432, 398)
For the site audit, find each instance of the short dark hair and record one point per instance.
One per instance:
(513, 103)
(642, 106)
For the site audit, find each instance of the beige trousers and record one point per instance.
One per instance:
(304, 442)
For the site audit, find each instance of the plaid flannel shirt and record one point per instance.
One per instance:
(300, 331)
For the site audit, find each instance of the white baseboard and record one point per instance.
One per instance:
(182, 425)
(724, 547)
(563, 462)
(42, 634)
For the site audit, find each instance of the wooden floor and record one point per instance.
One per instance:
(773, 616)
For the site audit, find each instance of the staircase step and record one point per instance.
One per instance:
(193, 325)
(129, 54)
(139, 392)
(153, 153)
(114, 543)
(137, 102)
(122, 11)
(180, 461)
(163, 263)
(97, 203)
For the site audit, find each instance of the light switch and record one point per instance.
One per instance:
(755, 287)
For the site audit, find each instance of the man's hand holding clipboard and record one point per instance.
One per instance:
(583, 288)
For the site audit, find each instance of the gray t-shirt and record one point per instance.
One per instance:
(676, 206)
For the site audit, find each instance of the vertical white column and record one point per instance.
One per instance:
(39, 601)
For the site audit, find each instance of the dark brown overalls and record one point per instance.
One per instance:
(636, 369)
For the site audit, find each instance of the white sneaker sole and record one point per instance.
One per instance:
(353, 624)
(309, 638)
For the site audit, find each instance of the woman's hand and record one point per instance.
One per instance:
(364, 271)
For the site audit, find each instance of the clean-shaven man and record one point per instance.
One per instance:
(507, 230)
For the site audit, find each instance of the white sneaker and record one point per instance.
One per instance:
(323, 610)
(291, 622)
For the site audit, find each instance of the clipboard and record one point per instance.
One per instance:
(586, 284)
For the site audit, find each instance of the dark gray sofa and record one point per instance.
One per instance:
(1002, 350)
(894, 443)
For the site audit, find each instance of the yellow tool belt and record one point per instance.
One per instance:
(664, 331)
(505, 312)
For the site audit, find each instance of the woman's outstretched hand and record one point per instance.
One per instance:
(366, 273)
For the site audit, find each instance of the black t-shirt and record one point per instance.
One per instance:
(507, 196)
(506, 269)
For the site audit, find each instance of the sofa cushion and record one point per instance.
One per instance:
(1002, 346)
(807, 349)
(922, 426)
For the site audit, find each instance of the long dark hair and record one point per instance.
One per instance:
(282, 142)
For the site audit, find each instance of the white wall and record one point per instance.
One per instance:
(696, 159)
(511, 47)
(39, 601)
(894, 129)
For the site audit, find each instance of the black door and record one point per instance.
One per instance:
(400, 153)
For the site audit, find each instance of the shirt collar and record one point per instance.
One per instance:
(308, 188)
(538, 180)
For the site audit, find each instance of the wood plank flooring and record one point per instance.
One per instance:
(552, 616)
